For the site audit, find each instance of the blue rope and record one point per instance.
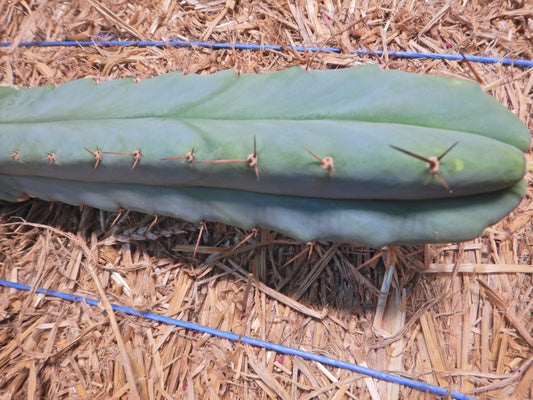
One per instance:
(254, 342)
(241, 46)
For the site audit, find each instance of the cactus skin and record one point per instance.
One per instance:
(364, 93)
(59, 140)
(476, 165)
(368, 222)
(352, 115)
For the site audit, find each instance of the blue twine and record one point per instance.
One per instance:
(254, 342)
(241, 46)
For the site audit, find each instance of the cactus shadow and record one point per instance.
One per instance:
(338, 276)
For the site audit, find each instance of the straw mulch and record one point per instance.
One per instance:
(469, 331)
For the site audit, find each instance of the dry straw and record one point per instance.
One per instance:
(460, 321)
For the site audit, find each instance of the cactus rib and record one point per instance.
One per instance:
(368, 222)
(292, 109)
(365, 164)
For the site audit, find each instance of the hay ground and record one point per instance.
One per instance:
(470, 331)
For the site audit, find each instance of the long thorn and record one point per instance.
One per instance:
(254, 232)
(327, 162)
(443, 182)
(314, 155)
(411, 154)
(251, 160)
(221, 161)
(447, 151)
(118, 153)
(478, 78)
(156, 217)
(121, 212)
(174, 158)
(137, 155)
(189, 157)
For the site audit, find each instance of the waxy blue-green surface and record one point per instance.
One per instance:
(351, 115)
(374, 223)
(375, 194)
(365, 93)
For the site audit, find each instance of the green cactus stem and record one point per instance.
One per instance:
(355, 141)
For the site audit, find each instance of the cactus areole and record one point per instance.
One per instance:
(359, 155)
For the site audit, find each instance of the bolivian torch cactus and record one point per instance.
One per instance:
(360, 155)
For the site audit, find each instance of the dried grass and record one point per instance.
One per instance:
(469, 330)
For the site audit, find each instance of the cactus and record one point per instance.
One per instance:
(362, 155)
